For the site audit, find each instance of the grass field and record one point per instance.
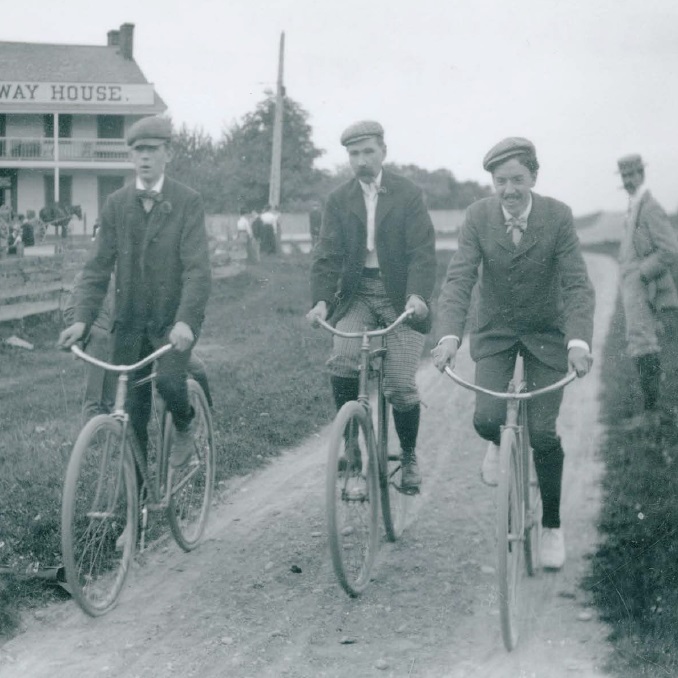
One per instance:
(634, 575)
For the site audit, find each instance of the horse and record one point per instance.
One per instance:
(59, 216)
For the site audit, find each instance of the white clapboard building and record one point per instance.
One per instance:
(64, 113)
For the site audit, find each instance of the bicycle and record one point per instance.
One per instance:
(518, 518)
(360, 469)
(100, 505)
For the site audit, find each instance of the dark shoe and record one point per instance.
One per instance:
(410, 478)
(183, 447)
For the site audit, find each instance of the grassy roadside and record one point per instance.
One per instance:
(634, 574)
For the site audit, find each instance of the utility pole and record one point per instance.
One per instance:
(276, 154)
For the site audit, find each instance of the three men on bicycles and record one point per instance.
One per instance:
(534, 296)
(375, 257)
(153, 232)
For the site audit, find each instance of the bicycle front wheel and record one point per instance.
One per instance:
(533, 505)
(352, 497)
(510, 535)
(191, 496)
(99, 515)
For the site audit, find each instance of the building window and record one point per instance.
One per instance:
(110, 126)
(65, 125)
(65, 190)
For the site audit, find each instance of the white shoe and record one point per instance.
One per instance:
(552, 550)
(489, 471)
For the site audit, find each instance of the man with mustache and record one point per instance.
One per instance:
(375, 257)
(647, 253)
(534, 297)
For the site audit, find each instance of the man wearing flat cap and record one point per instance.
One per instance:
(153, 233)
(375, 258)
(534, 298)
(647, 255)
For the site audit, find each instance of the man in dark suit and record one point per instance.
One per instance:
(375, 258)
(534, 296)
(647, 257)
(153, 232)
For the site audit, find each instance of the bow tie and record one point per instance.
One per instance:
(149, 195)
(516, 223)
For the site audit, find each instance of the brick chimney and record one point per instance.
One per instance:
(127, 41)
(113, 38)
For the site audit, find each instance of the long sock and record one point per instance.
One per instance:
(344, 389)
(649, 371)
(407, 428)
(549, 467)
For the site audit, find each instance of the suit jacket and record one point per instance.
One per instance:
(538, 293)
(654, 245)
(161, 259)
(404, 242)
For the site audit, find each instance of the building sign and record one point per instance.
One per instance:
(75, 93)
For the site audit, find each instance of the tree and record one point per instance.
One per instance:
(247, 148)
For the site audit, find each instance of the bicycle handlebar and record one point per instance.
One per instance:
(121, 368)
(370, 333)
(524, 395)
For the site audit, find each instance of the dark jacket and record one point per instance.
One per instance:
(538, 293)
(161, 260)
(405, 245)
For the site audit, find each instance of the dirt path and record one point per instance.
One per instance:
(234, 607)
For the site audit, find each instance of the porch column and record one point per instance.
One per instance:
(56, 158)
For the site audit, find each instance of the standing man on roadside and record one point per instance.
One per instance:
(374, 259)
(534, 297)
(647, 255)
(153, 233)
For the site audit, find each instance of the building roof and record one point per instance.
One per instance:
(40, 62)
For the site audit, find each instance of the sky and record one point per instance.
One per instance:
(586, 80)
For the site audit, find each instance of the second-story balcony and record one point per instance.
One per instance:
(41, 149)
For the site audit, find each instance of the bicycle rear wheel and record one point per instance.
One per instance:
(532, 499)
(352, 497)
(192, 486)
(510, 531)
(99, 515)
(394, 502)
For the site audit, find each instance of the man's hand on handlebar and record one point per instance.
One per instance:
(418, 306)
(181, 336)
(71, 334)
(318, 312)
(579, 360)
(445, 353)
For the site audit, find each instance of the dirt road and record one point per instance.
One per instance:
(235, 608)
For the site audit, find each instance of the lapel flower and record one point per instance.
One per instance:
(165, 207)
(382, 189)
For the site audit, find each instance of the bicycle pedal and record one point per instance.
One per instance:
(408, 491)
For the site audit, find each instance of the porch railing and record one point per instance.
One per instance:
(37, 148)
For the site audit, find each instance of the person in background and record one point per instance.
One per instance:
(270, 221)
(375, 258)
(5, 229)
(648, 254)
(27, 232)
(534, 297)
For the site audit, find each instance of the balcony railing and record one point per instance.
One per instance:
(94, 150)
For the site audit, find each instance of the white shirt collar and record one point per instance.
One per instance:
(524, 215)
(638, 195)
(156, 187)
(377, 181)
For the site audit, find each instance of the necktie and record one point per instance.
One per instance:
(516, 227)
(372, 194)
(148, 198)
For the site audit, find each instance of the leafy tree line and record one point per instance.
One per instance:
(233, 172)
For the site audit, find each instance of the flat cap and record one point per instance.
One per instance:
(630, 163)
(153, 130)
(364, 129)
(506, 149)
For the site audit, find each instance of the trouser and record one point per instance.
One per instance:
(372, 308)
(494, 372)
(171, 370)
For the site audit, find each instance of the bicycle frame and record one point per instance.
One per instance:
(159, 499)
